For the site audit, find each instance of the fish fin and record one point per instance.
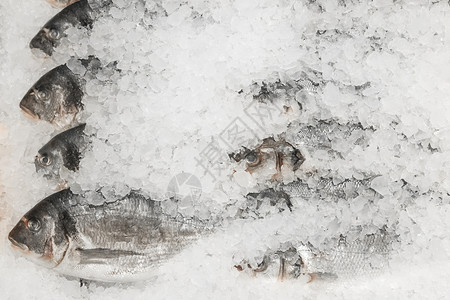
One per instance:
(321, 276)
(85, 283)
(102, 255)
(312, 277)
(282, 270)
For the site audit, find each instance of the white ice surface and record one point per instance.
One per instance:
(178, 91)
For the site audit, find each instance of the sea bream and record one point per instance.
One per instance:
(342, 258)
(284, 197)
(63, 150)
(299, 143)
(61, 3)
(56, 97)
(120, 240)
(49, 37)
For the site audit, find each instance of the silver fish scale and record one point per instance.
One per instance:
(314, 136)
(298, 189)
(287, 89)
(308, 85)
(325, 188)
(366, 256)
(323, 134)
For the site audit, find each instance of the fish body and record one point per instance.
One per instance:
(61, 3)
(56, 97)
(285, 196)
(268, 91)
(117, 241)
(49, 37)
(64, 150)
(331, 136)
(327, 188)
(365, 256)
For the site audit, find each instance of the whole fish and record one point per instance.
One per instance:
(64, 150)
(49, 37)
(119, 240)
(270, 155)
(55, 97)
(61, 3)
(365, 256)
(283, 196)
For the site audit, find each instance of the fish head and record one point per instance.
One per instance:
(283, 264)
(49, 160)
(40, 102)
(269, 157)
(55, 97)
(47, 39)
(40, 235)
(51, 34)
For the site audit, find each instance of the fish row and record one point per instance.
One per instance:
(102, 255)
(120, 240)
(126, 239)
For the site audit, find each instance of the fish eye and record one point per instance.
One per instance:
(252, 158)
(34, 225)
(53, 34)
(45, 160)
(42, 95)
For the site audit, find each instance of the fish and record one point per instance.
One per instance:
(49, 36)
(270, 156)
(283, 197)
(64, 150)
(56, 97)
(61, 3)
(344, 258)
(118, 240)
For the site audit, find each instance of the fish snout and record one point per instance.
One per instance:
(41, 46)
(27, 110)
(15, 243)
(38, 53)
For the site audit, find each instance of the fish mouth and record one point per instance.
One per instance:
(29, 113)
(39, 53)
(16, 244)
(41, 43)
